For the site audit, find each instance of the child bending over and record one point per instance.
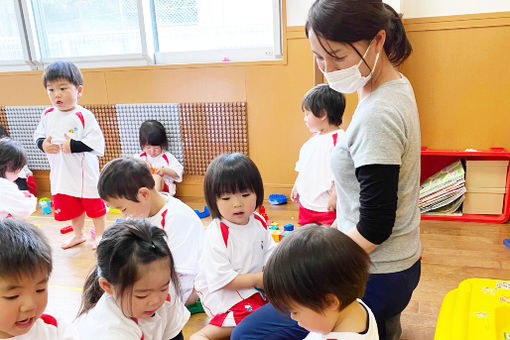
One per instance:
(237, 245)
(129, 294)
(318, 274)
(127, 184)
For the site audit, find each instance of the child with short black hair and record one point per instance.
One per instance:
(13, 202)
(26, 265)
(237, 245)
(135, 269)
(314, 187)
(318, 274)
(127, 184)
(165, 168)
(72, 140)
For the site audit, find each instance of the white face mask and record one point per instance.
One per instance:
(349, 80)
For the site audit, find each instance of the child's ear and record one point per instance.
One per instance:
(80, 91)
(324, 115)
(105, 285)
(333, 302)
(144, 194)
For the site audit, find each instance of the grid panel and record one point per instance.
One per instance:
(23, 121)
(210, 129)
(3, 120)
(106, 116)
(131, 116)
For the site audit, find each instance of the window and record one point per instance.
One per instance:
(98, 33)
(217, 30)
(10, 37)
(83, 28)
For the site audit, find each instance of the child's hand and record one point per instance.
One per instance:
(294, 195)
(66, 147)
(159, 171)
(48, 147)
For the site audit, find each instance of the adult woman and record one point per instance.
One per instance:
(358, 45)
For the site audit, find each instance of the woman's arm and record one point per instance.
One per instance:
(378, 204)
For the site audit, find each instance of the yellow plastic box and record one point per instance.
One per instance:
(478, 309)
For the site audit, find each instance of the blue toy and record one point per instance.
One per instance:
(204, 213)
(288, 227)
(277, 199)
(506, 242)
(45, 206)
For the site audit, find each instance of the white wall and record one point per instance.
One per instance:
(298, 9)
(435, 8)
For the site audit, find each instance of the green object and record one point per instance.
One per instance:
(507, 336)
(196, 307)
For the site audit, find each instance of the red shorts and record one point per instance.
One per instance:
(310, 216)
(69, 207)
(238, 312)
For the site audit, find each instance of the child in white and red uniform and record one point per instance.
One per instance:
(314, 187)
(237, 245)
(130, 293)
(26, 266)
(165, 168)
(13, 202)
(71, 138)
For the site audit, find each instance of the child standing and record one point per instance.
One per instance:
(314, 186)
(237, 245)
(165, 168)
(318, 274)
(135, 269)
(13, 202)
(26, 266)
(136, 196)
(71, 138)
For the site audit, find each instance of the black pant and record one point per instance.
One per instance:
(178, 337)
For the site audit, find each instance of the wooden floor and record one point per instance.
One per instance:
(452, 252)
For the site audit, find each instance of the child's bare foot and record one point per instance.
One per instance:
(96, 242)
(74, 241)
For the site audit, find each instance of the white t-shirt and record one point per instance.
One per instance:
(231, 249)
(315, 178)
(15, 203)
(73, 174)
(185, 237)
(107, 322)
(166, 160)
(371, 332)
(47, 328)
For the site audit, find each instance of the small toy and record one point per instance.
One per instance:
(66, 230)
(45, 206)
(113, 210)
(288, 227)
(272, 227)
(506, 242)
(118, 220)
(277, 199)
(203, 214)
(277, 235)
(276, 224)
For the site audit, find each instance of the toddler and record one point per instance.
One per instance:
(165, 168)
(71, 138)
(26, 261)
(129, 294)
(314, 186)
(237, 245)
(13, 202)
(318, 274)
